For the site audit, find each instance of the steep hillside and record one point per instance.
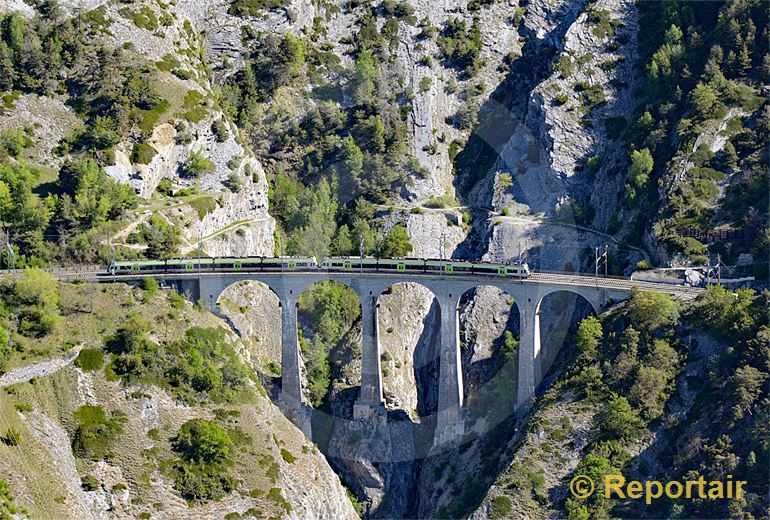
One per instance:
(153, 412)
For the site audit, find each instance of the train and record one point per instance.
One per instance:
(405, 265)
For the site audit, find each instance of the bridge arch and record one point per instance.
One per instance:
(489, 336)
(408, 334)
(558, 312)
(329, 313)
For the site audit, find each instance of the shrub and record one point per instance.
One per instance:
(287, 456)
(95, 432)
(461, 46)
(90, 359)
(425, 84)
(501, 507)
(142, 153)
(201, 473)
(198, 164)
(200, 440)
(150, 285)
(220, 131)
(37, 295)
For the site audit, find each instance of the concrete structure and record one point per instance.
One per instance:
(447, 289)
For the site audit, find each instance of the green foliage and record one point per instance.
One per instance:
(5, 349)
(220, 131)
(254, 7)
(287, 456)
(203, 205)
(36, 294)
(620, 421)
(142, 153)
(90, 359)
(650, 311)
(330, 309)
(201, 472)
(199, 367)
(13, 142)
(425, 83)
(461, 46)
(588, 337)
(395, 244)
(8, 509)
(501, 507)
(198, 164)
(727, 313)
(640, 169)
(150, 286)
(95, 433)
(199, 440)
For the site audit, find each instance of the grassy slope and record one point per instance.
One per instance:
(33, 470)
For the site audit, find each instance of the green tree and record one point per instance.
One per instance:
(641, 167)
(395, 244)
(588, 337)
(199, 440)
(650, 311)
(726, 313)
(365, 77)
(620, 421)
(705, 101)
(37, 294)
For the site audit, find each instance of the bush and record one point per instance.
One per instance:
(200, 440)
(461, 46)
(620, 421)
(150, 285)
(198, 164)
(142, 153)
(95, 432)
(287, 456)
(395, 244)
(220, 131)
(201, 473)
(501, 507)
(90, 359)
(37, 295)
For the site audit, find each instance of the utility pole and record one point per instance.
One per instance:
(719, 268)
(598, 260)
(200, 246)
(9, 250)
(361, 252)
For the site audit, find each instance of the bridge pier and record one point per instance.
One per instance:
(529, 352)
(449, 421)
(290, 400)
(370, 402)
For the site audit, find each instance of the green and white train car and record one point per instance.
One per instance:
(399, 265)
(221, 264)
(411, 265)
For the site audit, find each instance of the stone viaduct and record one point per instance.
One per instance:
(447, 290)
